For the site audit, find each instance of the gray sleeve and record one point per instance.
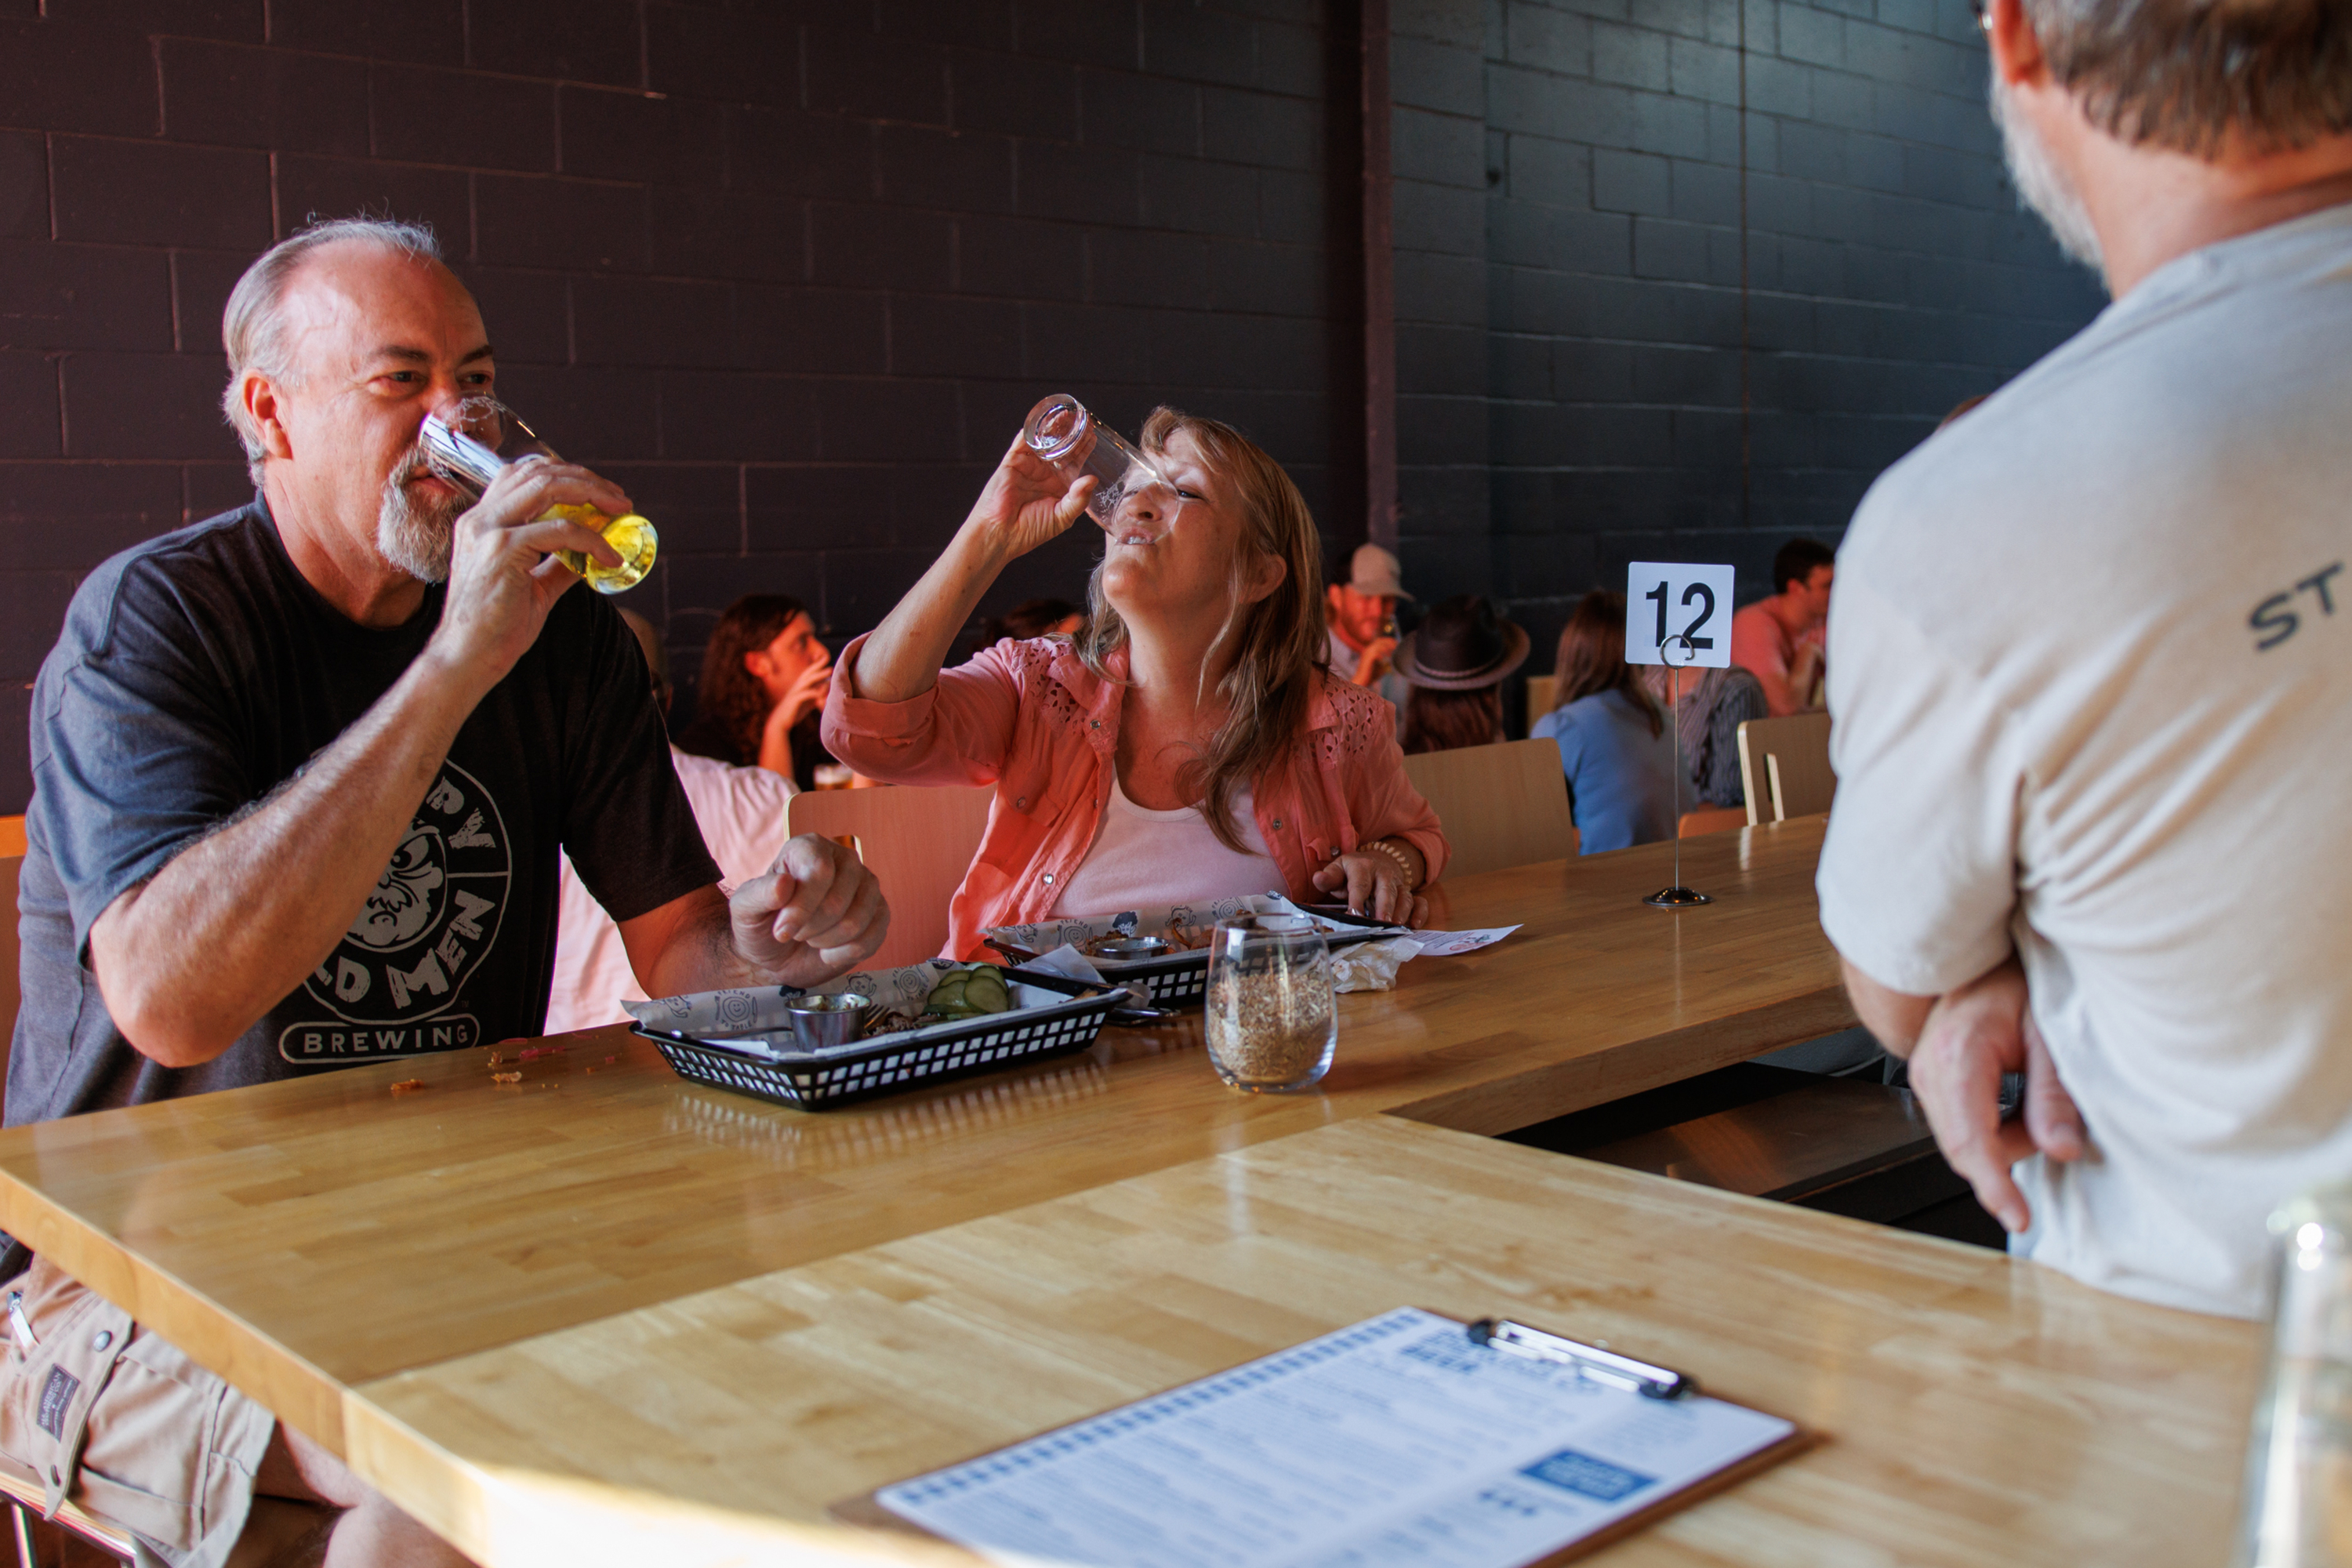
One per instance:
(135, 754)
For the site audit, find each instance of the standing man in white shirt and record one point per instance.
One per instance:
(2091, 660)
(742, 813)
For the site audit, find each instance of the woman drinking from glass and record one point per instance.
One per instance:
(1189, 746)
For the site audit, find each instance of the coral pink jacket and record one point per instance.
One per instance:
(1031, 719)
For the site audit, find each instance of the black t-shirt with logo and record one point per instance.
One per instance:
(198, 672)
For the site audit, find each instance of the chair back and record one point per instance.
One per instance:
(1712, 819)
(1505, 805)
(918, 842)
(1540, 690)
(1784, 766)
(12, 861)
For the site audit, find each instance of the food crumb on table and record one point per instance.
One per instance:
(506, 1077)
(408, 1085)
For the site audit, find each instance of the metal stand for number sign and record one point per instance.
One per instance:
(1676, 897)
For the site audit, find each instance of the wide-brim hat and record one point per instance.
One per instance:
(1462, 645)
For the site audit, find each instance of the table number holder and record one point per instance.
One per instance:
(1677, 896)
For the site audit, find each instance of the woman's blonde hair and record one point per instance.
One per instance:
(1279, 640)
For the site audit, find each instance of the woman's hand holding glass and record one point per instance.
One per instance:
(1026, 502)
(1376, 883)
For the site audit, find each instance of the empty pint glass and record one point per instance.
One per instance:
(1130, 492)
(2298, 1505)
(472, 442)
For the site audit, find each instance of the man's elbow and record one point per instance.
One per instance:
(1894, 1017)
(158, 1024)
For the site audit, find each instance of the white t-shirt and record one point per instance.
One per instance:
(1143, 858)
(2071, 716)
(742, 813)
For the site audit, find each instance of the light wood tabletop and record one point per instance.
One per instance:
(1970, 1411)
(306, 1237)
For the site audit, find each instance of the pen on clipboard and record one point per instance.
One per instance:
(1601, 1365)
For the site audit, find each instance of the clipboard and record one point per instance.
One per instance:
(1624, 1379)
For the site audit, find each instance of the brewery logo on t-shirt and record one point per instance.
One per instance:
(394, 986)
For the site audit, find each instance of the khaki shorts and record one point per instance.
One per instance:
(116, 1418)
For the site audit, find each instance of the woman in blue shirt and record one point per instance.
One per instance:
(1614, 745)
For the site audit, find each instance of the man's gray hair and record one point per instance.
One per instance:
(253, 328)
(2185, 74)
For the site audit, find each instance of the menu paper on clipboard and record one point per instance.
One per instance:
(1397, 1441)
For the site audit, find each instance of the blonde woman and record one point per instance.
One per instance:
(1189, 745)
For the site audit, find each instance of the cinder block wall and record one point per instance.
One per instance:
(1586, 382)
(793, 273)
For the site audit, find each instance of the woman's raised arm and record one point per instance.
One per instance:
(1026, 502)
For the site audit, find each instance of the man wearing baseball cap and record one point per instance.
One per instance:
(1360, 613)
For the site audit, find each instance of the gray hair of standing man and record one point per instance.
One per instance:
(2188, 75)
(253, 328)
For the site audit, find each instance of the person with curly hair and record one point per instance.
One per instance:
(763, 680)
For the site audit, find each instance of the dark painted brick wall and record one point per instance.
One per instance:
(1568, 230)
(791, 273)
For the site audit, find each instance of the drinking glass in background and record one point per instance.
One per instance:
(2297, 1507)
(481, 436)
(1062, 430)
(1272, 1022)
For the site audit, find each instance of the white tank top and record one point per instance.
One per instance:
(1143, 858)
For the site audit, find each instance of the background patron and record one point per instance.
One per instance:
(1615, 746)
(1361, 613)
(1454, 663)
(764, 674)
(1708, 706)
(1779, 639)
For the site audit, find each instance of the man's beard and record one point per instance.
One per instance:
(2040, 185)
(414, 537)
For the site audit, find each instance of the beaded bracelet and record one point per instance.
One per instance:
(1397, 855)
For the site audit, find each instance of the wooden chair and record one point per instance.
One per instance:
(918, 842)
(1500, 805)
(1784, 766)
(1713, 819)
(1540, 690)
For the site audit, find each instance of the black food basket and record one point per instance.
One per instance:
(890, 1063)
(1181, 979)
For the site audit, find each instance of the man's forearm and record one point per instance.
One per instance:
(187, 962)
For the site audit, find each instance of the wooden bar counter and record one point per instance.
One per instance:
(395, 1274)
(1970, 1411)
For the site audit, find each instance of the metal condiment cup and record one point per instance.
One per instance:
(1130, 947)
(822, 1021)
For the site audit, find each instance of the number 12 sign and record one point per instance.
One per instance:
(1668, 601)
